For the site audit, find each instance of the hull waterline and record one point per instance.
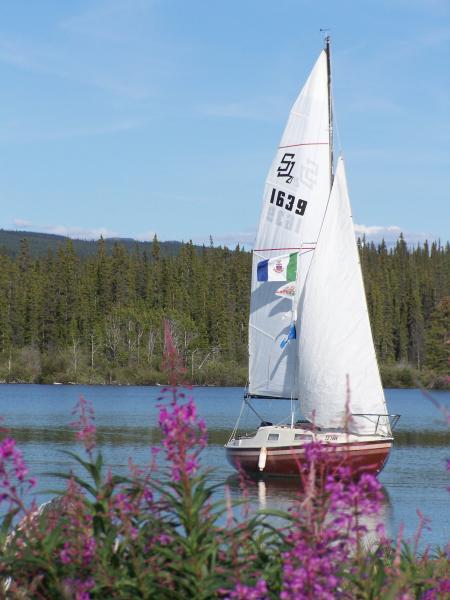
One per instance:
(360, 457)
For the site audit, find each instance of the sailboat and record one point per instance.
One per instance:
(310, 339)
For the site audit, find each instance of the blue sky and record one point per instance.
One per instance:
(135, 117)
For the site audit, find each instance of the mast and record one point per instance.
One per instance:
(330, 108)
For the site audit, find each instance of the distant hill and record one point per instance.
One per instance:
(40, 243)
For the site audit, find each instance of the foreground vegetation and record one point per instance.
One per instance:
(161, 532)
(98, 318)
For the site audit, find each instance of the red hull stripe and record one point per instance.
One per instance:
(355, 450)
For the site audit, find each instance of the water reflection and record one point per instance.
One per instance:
(281, 493)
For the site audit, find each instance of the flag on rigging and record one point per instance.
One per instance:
(286, 291)
(281, 268)
(292, 335)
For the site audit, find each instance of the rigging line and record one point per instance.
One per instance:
(253, 409)
(233, 433)
(269, 249)
(262, 331)
(305, 144)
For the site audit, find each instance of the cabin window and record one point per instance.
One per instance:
(273, 437)
(303, 437)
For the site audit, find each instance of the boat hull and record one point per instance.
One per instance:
(360, 457)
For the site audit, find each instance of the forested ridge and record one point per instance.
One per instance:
(98, 318)
(40, 243)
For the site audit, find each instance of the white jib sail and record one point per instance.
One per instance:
(334, 336)
(295, 196)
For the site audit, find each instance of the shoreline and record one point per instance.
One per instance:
(444, 388)
(214, 374)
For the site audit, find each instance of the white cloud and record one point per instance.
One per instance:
(22, 223)
(72, 232)
(78, 232)
(390, 234)
(377, 230)
(147, 236)
(373, 233)
(243, 238)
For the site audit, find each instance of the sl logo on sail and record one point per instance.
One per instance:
(286, 167)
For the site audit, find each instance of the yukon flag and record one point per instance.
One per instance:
(281, 268)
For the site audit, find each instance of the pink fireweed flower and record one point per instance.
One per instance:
(122, 503)
(442, 590)
(172, 362)
(363, 495)
(326, 532)
(86, 430)
(3, 429)
(184, 435)
(13, 474)
(66, 554)
(148, 495)
(312, 568)
(88, 553)
(248, 592)
(164, 539)
(79, 547)
(79, 588)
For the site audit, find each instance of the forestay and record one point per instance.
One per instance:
(295, 196)
(335, 339)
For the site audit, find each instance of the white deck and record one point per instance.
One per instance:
(275, 436)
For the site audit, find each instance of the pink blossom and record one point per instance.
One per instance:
(163, 539)
(248, 592)
(89, 547)
(13, 472)
(326, 531)
(81, 587)
(184, 434)
(86, 430)
(66, 554)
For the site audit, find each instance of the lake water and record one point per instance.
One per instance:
(415, 477)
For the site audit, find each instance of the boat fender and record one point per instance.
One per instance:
(262, 458)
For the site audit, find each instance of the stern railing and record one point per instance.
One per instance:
(389, 421)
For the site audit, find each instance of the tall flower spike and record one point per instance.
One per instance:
(172, 362)
(86, 430)
(184, 434)
(13, 475)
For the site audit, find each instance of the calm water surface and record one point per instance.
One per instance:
(126, 417)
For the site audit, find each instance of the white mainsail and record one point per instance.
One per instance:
(295, 197)
(334, 334)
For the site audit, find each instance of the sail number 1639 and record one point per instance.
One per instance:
(280, 198)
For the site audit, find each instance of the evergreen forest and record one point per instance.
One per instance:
(98, 318)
